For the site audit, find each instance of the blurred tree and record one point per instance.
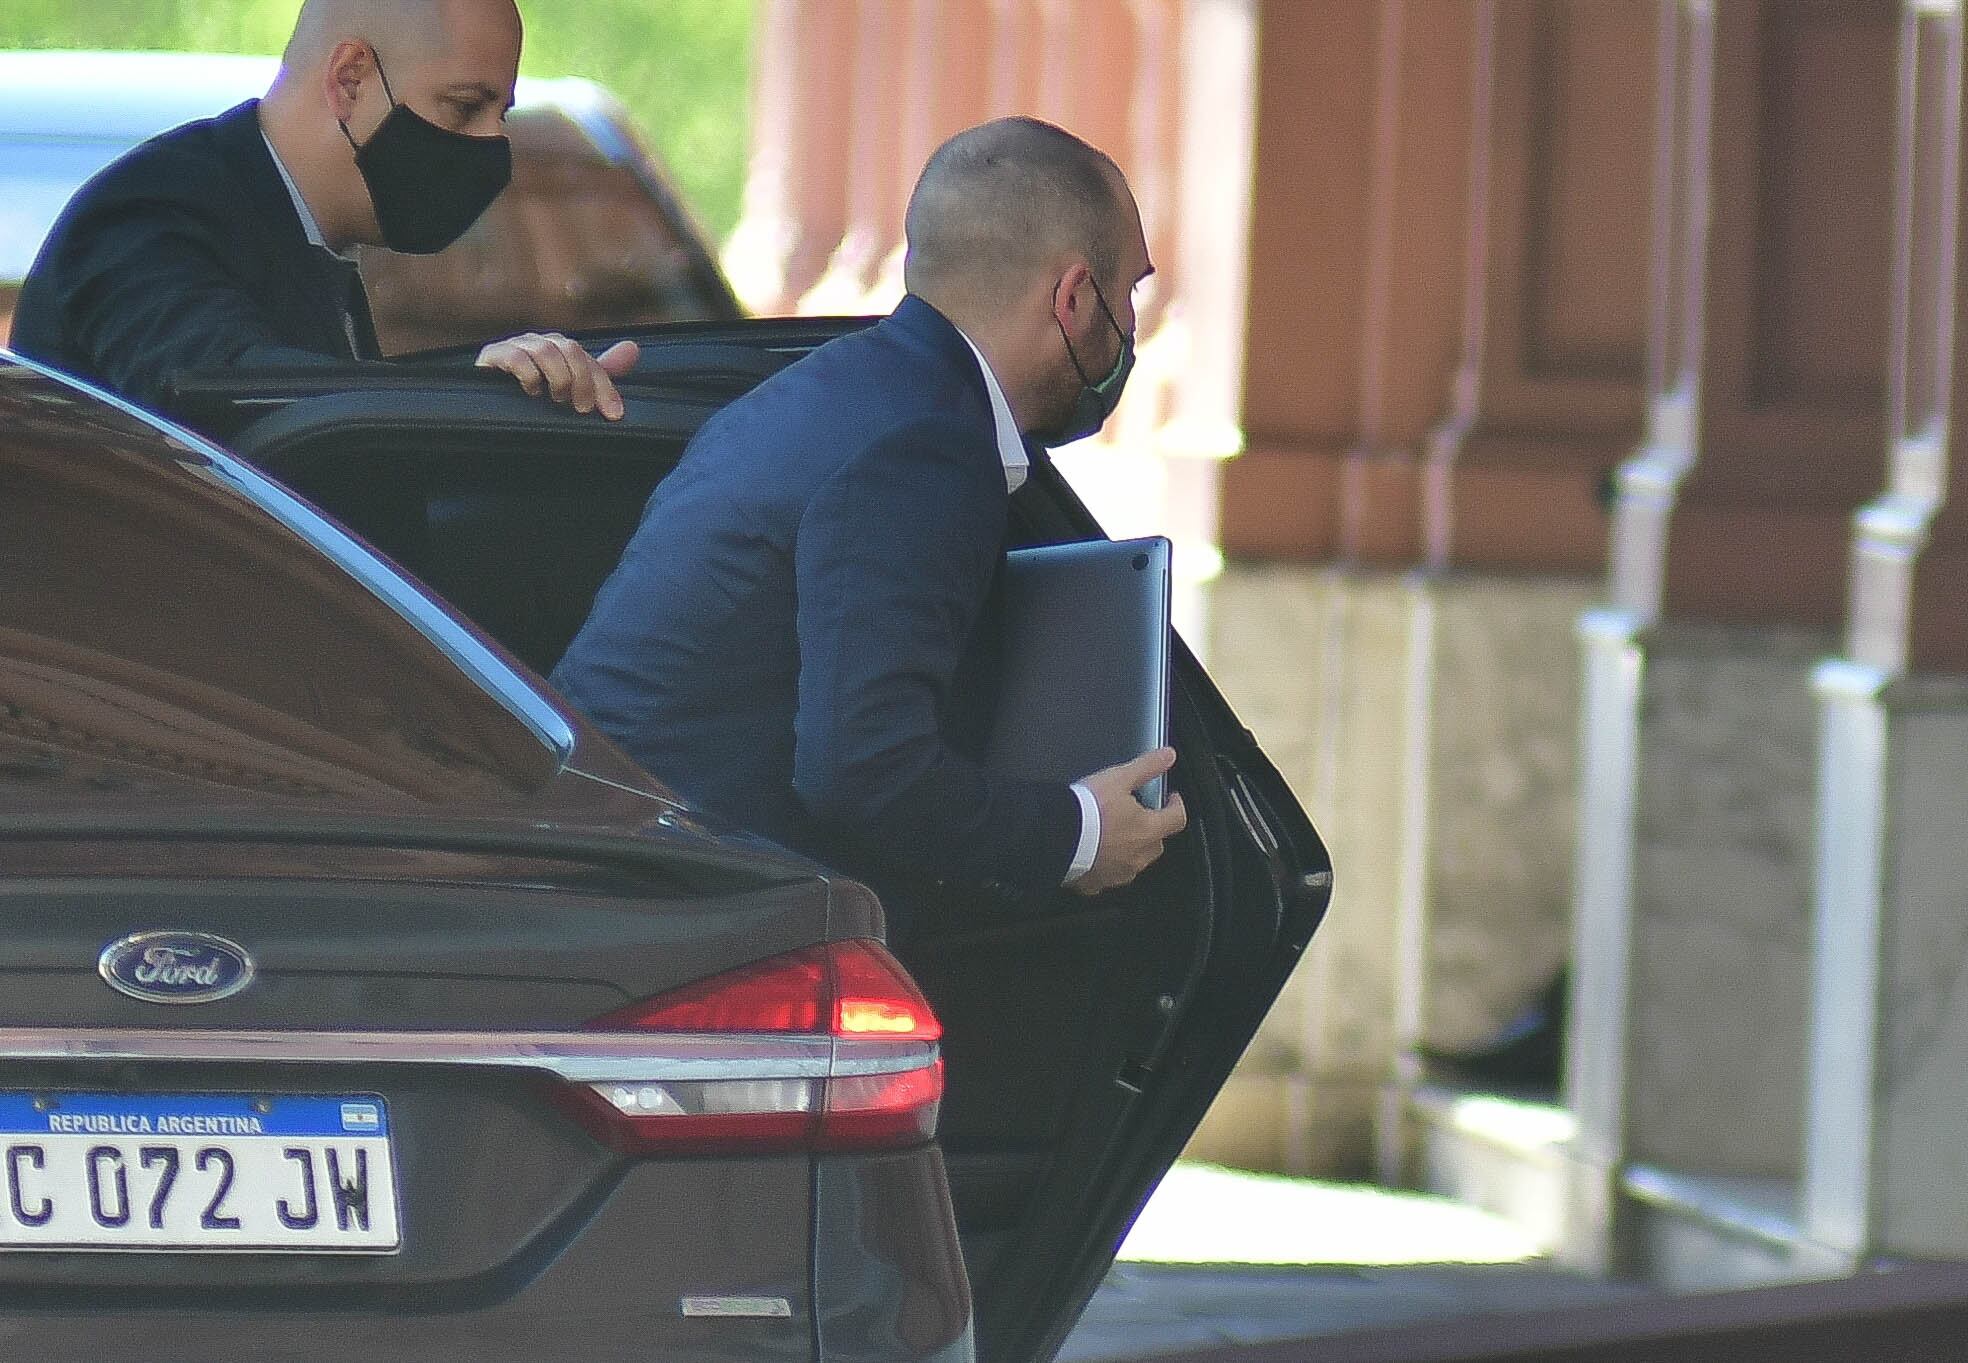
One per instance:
(681, 66)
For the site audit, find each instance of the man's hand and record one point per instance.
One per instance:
(1131, 835)
(563, 370)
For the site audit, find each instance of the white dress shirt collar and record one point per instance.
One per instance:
(308, 224)
(1011, 449)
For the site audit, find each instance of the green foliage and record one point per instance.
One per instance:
(681, 66)
(159, 25)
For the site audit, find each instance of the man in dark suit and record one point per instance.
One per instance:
(787, 636)
(230, 241)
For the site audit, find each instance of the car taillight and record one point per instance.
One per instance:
(827, 1048)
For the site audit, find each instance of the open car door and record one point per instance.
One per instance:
(1084, 1039)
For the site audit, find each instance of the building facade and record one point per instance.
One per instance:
(1552, 402)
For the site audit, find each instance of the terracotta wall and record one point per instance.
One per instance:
(1445, 344)
(853, 96)
(1547, 398)
(1886, 1021)
(1910, 554)
(1402, 243)
(1771, 267)
(1769, 835)
(1459, 294)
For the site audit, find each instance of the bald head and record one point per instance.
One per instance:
(405, 31)
(1002, 202)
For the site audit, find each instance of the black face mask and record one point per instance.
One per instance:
(1096, 400)
(427, 184)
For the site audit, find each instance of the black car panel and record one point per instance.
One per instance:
(886, 1284)
(464, 956)
(496, 1179)
(705, 1230)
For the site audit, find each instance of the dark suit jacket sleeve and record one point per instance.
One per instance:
(893, 558)
(147, 297)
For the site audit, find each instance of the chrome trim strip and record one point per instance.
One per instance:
(677, 805)
(854, 1055)
(577, 1057)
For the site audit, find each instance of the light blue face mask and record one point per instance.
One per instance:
(1096, 400)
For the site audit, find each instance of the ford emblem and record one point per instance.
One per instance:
(175, 967)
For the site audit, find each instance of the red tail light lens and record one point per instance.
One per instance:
(827, 1048)
(874, 997)
(877, 1111)
(842, 988)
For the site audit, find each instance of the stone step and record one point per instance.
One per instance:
(1504, 1155)
(1699, 1232)
(1681, 1231)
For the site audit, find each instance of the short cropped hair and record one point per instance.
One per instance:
(996, 201)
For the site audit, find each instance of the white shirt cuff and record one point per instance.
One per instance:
(1089, 847)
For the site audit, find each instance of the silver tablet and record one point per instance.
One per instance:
(1085, 677)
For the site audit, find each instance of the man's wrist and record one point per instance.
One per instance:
(1089, 844)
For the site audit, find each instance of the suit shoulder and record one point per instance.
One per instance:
(186, 169)
(936, 433)
(857, 399)
(891, 387)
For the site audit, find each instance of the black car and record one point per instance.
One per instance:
(363, 1003)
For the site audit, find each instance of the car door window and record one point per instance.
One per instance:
(170, 617)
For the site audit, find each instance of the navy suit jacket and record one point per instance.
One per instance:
(797, 636)
(186, 253)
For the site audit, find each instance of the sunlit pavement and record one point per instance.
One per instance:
(1220, 1256)
(1203, 1214)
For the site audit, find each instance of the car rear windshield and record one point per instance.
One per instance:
(173, 625)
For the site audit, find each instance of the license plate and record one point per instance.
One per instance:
(197, 1173)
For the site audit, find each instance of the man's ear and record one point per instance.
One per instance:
(350, 66)
(1066, 295)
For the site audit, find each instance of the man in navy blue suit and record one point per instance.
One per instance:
(795, 630)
